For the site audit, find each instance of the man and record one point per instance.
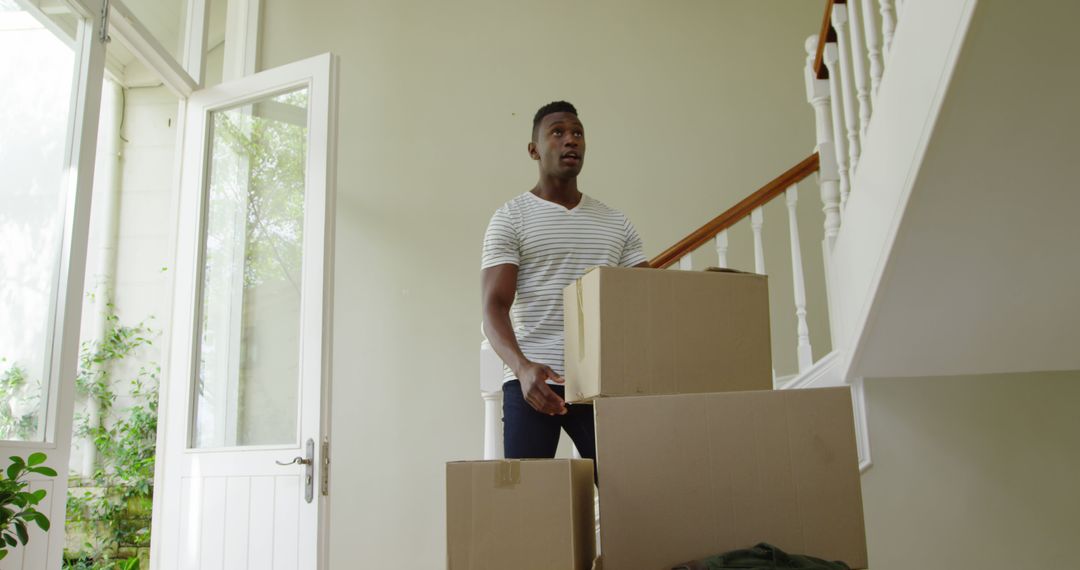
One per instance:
(537, 244)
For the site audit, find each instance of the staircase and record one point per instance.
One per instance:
(947, 204)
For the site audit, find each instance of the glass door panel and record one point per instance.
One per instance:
(37, 69)
(247, 383)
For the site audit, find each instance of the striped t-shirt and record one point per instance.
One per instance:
(552, 247)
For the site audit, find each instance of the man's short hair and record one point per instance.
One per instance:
(553, 107)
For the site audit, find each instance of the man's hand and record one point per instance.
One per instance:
(537, 393)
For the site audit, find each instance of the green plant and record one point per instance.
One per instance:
(15, 386)
(112, 507)
(17, 504)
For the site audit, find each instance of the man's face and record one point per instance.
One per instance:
(559, 145)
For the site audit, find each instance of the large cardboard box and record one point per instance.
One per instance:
(685, 477)
(646, 331)
(528, 514)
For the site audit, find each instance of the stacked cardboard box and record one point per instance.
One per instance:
(696, 454)
(531, 514)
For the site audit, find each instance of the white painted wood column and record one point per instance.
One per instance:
(817, 93)
(847, 87)
(757, 220)
(491, 377)
(831, 54)
(493, 437)
(685, 263)
(858, 66)
(722, 249)
(803, 350)
(873, 45)
(888, 25)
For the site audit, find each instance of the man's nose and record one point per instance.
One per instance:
(571, 142)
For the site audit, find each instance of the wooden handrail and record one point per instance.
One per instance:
(737, 212)
(827, 35)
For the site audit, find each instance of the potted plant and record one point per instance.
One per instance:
(17, 504)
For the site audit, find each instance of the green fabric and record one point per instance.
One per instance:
(761, 557)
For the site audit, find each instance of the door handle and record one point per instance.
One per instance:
(295, 460)
(309, 469)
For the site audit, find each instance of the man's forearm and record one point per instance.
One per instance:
(500, 333)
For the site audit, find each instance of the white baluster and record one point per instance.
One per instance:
(835, 96)
(888, 25)
(685, 263)
(873, 46)
(491, 377)
(721, 249)
(899, 8)
(858, 66)
(757, 219)
(847, 88)
(817, 93)
(804, 351)
(493, 437)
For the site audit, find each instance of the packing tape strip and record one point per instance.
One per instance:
(507, 473)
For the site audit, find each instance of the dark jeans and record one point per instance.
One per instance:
(529, 434)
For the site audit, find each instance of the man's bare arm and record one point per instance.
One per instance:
(498, 285)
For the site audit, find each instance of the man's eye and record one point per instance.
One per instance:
(557, 133)
(579, 134)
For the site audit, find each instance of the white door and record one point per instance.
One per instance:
(241, 469)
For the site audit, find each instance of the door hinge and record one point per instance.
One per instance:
(324, 476)
(103, 31)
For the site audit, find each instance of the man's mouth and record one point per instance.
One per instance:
(572, 155)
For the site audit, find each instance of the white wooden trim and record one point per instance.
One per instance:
(161, 463)
(241, 38)
(193, 58)
(862, 426)
(134, 35)
(823, 374)
(686, 262)
(329, 272)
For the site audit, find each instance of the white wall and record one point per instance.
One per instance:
(688, 107)
(973, 472)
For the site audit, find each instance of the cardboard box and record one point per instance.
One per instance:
(685, 477)
(528, 514)
(647, 331)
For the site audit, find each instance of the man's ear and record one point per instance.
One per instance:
(533, 152)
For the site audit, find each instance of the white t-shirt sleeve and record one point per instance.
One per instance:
(632, 253)
(501, 242)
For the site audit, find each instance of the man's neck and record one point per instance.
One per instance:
(562, 191)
